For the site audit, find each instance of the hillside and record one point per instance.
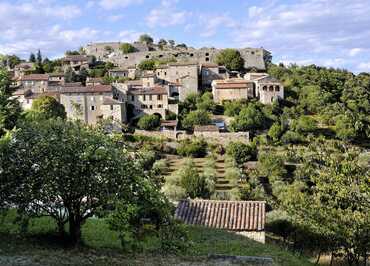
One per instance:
(102, 247)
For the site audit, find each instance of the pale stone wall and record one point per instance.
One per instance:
(35, 86)
(117, 112)
(231, 94)
(89, 105)
(149, 104)
(270, 92)
(168, 134)
(223, 137)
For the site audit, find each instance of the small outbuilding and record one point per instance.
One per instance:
(243, 217)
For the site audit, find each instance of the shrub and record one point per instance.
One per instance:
(291, 137)
(196, 147)
(149, 122)
(148, 64)
(231, 59)
(194, 184)
(195, 118)
(304, 124)
(241, 152)
(232, 108)
(127, 48)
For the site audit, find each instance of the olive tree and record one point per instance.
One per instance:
(67, 171)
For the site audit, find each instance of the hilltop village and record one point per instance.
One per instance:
(143, 78)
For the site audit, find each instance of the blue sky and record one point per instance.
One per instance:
(325, 32)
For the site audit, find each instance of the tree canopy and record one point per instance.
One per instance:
(127, 48)
(46, 107)
(231, 59)
(146, 38)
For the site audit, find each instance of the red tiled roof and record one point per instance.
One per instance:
(36, 77)
(76, 58)
(148, 90)
(238, 85)
(87, 89)
(111, 101)
(209, 65)
(37, 95)
(229, 215)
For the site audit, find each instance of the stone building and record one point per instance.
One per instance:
(148, 100)
(246, 218)
(183, 77)
(254, 58)
(232, 89)
(90, 104)
(210, 72)
(76, 62)
(56, 78)
(37, 83)
(22, 68)
(94, 81)
(26, 97)
(267, 88)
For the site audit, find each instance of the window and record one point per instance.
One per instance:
(207, 59)
(271, 88)
(264, 88)
(150, 97)
(158, 74)
(277, 88)
(207, 54)
(191, 55)
(147, 56)
(92, 108)
(111, 107)
(143, 106)
(144, 98)
(159, 105)
(165, 73)
(132, 97)
(148, 84)
(150, 106)
(159, 97)
(252, 52)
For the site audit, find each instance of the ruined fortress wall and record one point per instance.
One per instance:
(253, 57)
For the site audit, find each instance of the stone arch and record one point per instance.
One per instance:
(277, 88)
(158, 114)
(271, 88)
(264, 88)
(179, 134)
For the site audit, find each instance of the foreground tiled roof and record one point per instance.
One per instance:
(87, 89)
(36, 77)
(229, 215)
(148, 90)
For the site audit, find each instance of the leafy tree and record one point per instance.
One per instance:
(145, 38)
(304, 124)
(47, 107)
(205, 102)
(127, 48)
(9, 108)
(171, 42)
(39, 57)
(196, 118)
(345, 127)
(70, 75)
(241, 152)
(69, 172)
(231, 59)
(182, 45)
(335, 201)
(250, 118)
(149, 122)
(32, 58)
(148, 64)
(291, 137)
(232, 108)
(109, 49)
(276, 131)
(194, 184)
(69, 52)
(9, 60)
(162, 43)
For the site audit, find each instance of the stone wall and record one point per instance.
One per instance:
(258, 236)
(254, 58)
(223, 137)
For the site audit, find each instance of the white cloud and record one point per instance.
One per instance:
(115, 4)
(212, 23)
(129, 35)
(363, 67)
(166, 15)
(355, 51)
(115, 18)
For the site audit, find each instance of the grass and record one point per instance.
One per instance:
(102, 246)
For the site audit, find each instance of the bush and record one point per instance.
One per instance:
(291, 137)
(195, 118)
(241, 152)
(232, 108)
(250, 117)
(276, 131)
(127, 48)
(194, 184)
(149, 122)
(196, 147)
(148, 64)
(231, 59)
(304, 124)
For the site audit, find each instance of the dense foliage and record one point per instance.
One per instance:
(127, 48)
(46, 107)
(196, 147)
(231, 59)
(149, 122)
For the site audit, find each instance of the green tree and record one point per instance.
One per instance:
(276, 131)
(194, 184)
(162, 43)
(148, 64)
(250, 118)
(231, 59)
(145, 38)
(241, 152)
(47, 107)
(205, 102)
(39, 57)
(196, 147)
(127, 48)
(32, 58)
(70, 75)
(9, 108)
(304, 124)
(171, 42)
(68, 171)
(196, 118)
(345, 127)
(149, 122)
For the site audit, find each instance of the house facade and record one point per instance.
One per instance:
(231, 89)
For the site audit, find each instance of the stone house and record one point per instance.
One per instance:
(26, 97)
(269, 89)
(232, 89)
(118, 73)
(184, 75)
(246, 218)
(210, 72)
(21, 69)
(37, 83)
(148, 100)
(56, 78)
(89, 103)
(76, 62)
(94, 81)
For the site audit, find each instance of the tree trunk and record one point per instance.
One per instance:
(331, 258)
(74, 230)
(318, 257)
(61, 230)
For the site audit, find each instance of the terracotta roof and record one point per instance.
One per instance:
(94, 80)
(36, 77)
(183, 64)
(169, 123)
(230, 215)
(207, 128)
(111, 101)
(118, 70)
(72, 84)
(235, 83)
(87, 89)
(148, 90)
(209, 65)
(268, 79)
